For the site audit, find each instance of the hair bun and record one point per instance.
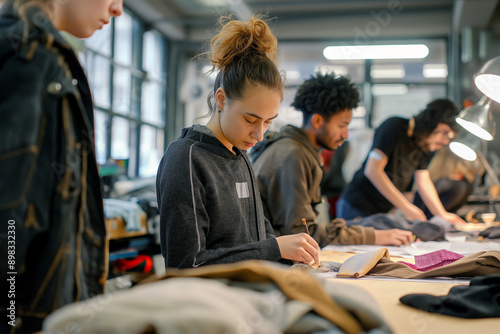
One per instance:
(241, 39)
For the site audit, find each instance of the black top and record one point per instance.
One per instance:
(405, 157)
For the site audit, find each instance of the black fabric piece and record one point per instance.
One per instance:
(491, 232)
(425, 231)
(480, 299)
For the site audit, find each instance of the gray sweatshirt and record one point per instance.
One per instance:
(210, 206)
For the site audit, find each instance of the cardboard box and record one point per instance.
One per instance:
(116, 228)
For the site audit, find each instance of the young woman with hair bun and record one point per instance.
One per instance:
(211, 210)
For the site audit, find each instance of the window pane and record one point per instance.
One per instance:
(121, 90)
(101, 40)
(395, 101)
(152, 54)
(100, 133)
(151, 150)
(120, 148)
(286, 113)
(152, 103)
(123, 39)
(98, 76)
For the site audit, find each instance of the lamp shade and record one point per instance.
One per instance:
(478, 119)
(465, 145)
(487, 80)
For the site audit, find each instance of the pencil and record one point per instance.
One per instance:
(305, 224)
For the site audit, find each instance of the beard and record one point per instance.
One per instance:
(322, 140)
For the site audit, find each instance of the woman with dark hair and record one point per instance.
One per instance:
(52, 237)
(210, 207)
(399, 155)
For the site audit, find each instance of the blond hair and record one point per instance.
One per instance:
(446, 164)
(24, 6)
(245, 53)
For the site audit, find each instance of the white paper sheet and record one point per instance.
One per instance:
(420, 247)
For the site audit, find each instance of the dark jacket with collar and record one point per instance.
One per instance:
(51, 214)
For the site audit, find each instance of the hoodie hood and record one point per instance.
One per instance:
(287, 131)
(208, 141)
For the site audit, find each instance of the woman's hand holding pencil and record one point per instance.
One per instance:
(300, 247)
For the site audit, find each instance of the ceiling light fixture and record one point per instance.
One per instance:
(350, 52)
(435, 71)
(387, 72)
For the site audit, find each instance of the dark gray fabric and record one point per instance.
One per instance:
(491, 232)
(480, 299)
(425, 231)
(206, 217)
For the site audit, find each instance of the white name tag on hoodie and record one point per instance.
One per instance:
(242, 189)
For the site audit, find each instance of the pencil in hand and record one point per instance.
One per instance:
(312, 263)
(305, 224)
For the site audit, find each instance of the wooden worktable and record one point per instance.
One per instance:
(407, 320)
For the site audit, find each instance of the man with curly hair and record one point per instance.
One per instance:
(289, 167)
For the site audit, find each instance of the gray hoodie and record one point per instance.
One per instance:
(210, 206)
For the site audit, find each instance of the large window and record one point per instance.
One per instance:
(125, 65)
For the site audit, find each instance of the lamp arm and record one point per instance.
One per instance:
(488, 168)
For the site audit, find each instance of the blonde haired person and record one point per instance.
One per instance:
(52, 233)
(210, 207)
(453, 178)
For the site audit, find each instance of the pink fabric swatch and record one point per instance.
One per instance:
(433, 260)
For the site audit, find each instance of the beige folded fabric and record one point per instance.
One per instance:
(378, 263)
(358, 265)
(483, 263)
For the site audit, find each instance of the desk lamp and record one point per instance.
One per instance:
(478, 119)
(487, 80)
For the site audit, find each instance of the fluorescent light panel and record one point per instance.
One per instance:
(387, 71)
(434, 71)
(350, 52)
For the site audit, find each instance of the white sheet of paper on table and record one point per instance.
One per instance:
(418, 248)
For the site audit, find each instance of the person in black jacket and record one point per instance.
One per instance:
(210, 206)
(52, 231)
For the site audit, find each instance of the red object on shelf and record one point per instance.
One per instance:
(142, 263)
